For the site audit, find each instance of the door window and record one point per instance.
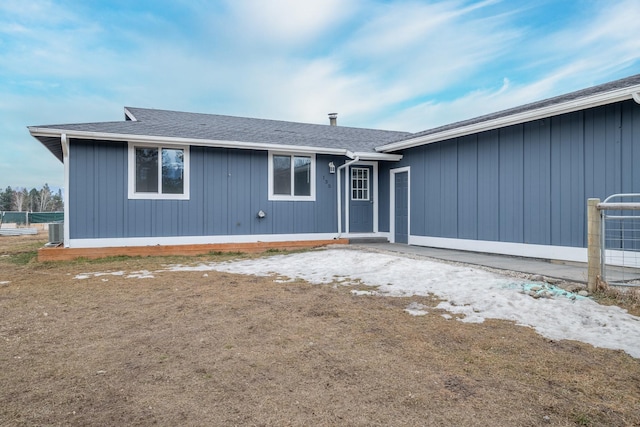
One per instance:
(359, 184)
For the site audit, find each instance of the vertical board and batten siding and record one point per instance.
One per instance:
(488, 185)
(468, 195)
(228, 188)
(525, 183)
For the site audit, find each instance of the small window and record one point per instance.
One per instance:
(291, 177)
(158, 172)
(359, 184)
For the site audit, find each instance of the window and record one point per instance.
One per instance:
(158, 172)
(291, 177)
(359, 184)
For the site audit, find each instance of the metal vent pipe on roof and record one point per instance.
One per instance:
(333, 119)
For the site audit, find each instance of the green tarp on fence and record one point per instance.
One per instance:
(31, 217)
(43, 217)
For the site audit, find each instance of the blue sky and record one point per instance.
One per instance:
(399, 65)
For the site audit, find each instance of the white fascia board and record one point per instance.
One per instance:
(47, 132)
(365, 155)
(130, 115)
(514, 119)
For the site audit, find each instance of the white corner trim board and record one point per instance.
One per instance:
(562, 253)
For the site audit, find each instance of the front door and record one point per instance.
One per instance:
(401, 207)
(361, 194)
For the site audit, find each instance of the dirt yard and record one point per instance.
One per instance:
(216, 349)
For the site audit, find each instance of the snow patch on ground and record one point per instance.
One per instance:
(142, 274)
(416, 309)
(470, 293)
(84, 276)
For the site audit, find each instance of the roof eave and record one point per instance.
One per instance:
(49, 132)
(366, 155)
(518, 118)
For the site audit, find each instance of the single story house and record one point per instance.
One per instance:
(513, 182)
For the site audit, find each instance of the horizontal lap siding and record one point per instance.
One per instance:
(525, 183)
(228, 188)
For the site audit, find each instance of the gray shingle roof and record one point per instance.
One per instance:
(212, 127)
(176, 124)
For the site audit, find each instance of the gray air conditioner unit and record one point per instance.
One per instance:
(56, 233)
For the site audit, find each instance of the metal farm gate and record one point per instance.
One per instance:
(620, 239)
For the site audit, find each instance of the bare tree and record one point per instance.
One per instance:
(45, 198)
(34, 200)
(20, 197)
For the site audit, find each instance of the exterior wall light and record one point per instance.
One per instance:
(261, 214)
(332, 167)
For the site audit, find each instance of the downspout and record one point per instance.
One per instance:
(64, 142)
(636, 97)
(339, 192)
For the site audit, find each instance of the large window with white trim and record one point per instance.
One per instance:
(158, 172)
(291, 176)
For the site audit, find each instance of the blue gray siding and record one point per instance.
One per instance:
(228, 188)
(526, 183)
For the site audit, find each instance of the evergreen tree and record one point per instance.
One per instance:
(6, 199)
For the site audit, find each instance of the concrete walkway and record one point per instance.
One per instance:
(568, 271)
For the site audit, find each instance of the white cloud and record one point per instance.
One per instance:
(596, 46)
(404, 65)
(284, 23)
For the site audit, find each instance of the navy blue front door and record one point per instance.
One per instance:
(361, 199)
(401, 211)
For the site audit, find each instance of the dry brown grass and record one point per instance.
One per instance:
(625, 297)
(224, 349)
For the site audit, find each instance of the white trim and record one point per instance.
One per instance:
(197, 240)
(339, 190)
(281, 197)
(563, 253)
(366, 155)
(48, 132)
(513, 119)
(392, 202)
(131, 170)
(64, 142)
(130, 115)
